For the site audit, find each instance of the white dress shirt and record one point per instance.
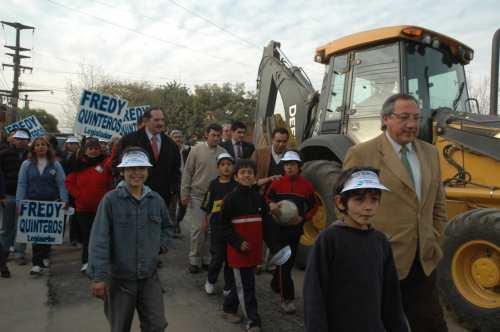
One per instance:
(276, 157)
(414, 163)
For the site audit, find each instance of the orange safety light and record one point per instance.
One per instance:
(413, 32)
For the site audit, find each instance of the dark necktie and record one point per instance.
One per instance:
(154, 147)
(406, 163)
(239, 152)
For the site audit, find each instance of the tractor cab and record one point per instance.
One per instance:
(364, 69)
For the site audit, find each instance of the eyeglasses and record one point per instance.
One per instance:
(405, 117)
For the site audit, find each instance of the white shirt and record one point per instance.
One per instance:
(158, 139)
(276, 157)
(414, 163)
(41, 164)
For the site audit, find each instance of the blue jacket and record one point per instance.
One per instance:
(127, 235)
(48, 186)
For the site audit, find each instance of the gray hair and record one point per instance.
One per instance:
(390, 103)
(175, 131)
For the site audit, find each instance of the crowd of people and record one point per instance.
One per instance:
(132, 194)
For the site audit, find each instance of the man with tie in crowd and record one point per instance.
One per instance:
(165, 175)
(236, 146)
(412, 214)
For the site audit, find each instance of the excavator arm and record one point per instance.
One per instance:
(277, 74)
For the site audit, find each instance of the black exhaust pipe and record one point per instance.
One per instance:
(495, 54)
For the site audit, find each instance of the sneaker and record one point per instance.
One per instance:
(209, 288)
(46, 263)
(84, 267)
(36, 270)
(253, 329)
(226, 292)
(288, 307)
(12, 249)
(232, 318)
(193, 269)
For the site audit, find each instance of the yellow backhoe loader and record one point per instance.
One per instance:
(361, 71)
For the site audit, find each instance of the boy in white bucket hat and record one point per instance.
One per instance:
(130, 229)
(351, 283)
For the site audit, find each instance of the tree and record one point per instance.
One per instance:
(47, 120)
(185, 110)
(480, 90)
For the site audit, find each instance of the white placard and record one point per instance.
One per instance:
(40, 222)
(31, 124)
(132, 114)
(99, 115)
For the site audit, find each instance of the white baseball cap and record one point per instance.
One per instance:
(363, 180)
(224, 155)
(72, 139)
(21, 134)
(135, 158)
(291, 156)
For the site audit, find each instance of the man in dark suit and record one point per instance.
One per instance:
(236, 146)
(165, 175)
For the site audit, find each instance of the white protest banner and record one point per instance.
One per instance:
(132, 114)
(40, 222)
(30, 123)
(100, 115)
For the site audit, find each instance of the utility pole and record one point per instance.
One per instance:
(16, 66)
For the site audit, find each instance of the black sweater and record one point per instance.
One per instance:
(351, 283)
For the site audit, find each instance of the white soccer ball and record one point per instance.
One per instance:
(288, 211)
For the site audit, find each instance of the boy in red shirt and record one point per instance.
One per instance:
(243, 215)
(295, 188)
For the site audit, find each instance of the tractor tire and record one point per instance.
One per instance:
(323, 175)
(469, 274)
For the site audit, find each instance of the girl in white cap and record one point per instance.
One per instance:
(351, 283)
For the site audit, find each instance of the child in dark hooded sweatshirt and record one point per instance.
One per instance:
(351, 283)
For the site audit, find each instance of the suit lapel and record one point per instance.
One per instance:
(425, 170)
(394, 164)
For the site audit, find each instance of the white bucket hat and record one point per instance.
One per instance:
(21, 134)
(72, 139)
(281, 257)
(224, 155)
(134, 159)
(363, 180)
(291, 156)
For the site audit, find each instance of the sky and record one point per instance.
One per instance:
(217, 41)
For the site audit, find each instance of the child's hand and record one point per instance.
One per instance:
(296, 220)
(245, 246)
(275, 209)
(99, 289)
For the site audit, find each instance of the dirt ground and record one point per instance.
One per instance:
(60, 301)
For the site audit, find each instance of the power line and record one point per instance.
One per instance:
(192, 12)
(146, 35)
(153, 18)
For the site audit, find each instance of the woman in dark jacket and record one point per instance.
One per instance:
(41, 178)
(89, 179)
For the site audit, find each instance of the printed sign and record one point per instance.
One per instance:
(132, 114)
(40, 222)
(100, 115)
(30, 123)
